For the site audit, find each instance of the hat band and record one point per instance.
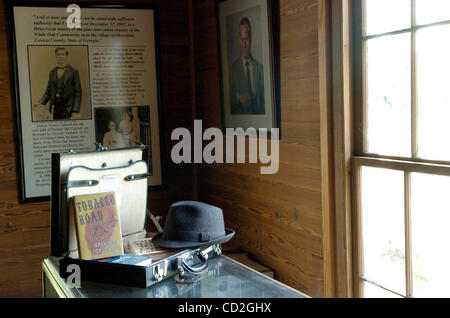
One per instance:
(192, 236)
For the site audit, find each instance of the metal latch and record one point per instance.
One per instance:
(80, 183)
(135, 177)
(158, 272)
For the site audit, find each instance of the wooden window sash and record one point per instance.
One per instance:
(362, 157)
(407, 167)
(360, 40)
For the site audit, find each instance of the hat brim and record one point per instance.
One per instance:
(158, 241)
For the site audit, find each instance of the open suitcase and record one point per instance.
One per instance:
(125, 172)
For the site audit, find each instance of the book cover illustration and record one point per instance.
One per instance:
(97, 225)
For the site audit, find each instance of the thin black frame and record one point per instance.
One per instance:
(16, 95)
(273, 9)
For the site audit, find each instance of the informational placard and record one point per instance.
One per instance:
(84, 76)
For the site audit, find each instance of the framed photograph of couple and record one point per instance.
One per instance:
(79, 87)
(249, 54)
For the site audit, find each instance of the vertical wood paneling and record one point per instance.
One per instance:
(24, 228)
(278, 218)
(343, 146)
(326, 148)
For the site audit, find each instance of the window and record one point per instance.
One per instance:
(401, 167)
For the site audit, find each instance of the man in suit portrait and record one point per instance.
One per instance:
(246, 77)
(63, 91)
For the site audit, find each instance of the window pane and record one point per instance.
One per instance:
(388, 95)
(433, 67)
(383, 16)
(383, 234)
(430, 224)
(372, 291)
(430, 11)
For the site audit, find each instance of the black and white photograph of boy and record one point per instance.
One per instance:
(59, 82)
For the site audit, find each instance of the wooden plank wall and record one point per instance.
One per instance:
(24, 228)
(278, 218)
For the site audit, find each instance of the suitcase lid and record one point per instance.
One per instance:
(124, 171)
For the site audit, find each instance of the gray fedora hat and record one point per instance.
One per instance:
(193, 224)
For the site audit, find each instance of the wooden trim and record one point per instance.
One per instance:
(408, 245)
(327, 182)
(358, 79)
(414, 154)
(416, 160)
(342, 121)
(407, 166)
(414, 100)
(358, 260)
(380, 35)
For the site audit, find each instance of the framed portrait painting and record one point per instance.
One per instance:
(77, 87)
(249, 53)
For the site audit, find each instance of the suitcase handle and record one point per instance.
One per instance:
(183, 267)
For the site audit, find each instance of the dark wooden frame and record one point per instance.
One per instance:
(273, 9)
(15, 83)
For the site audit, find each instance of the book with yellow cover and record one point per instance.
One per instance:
(97, 225)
